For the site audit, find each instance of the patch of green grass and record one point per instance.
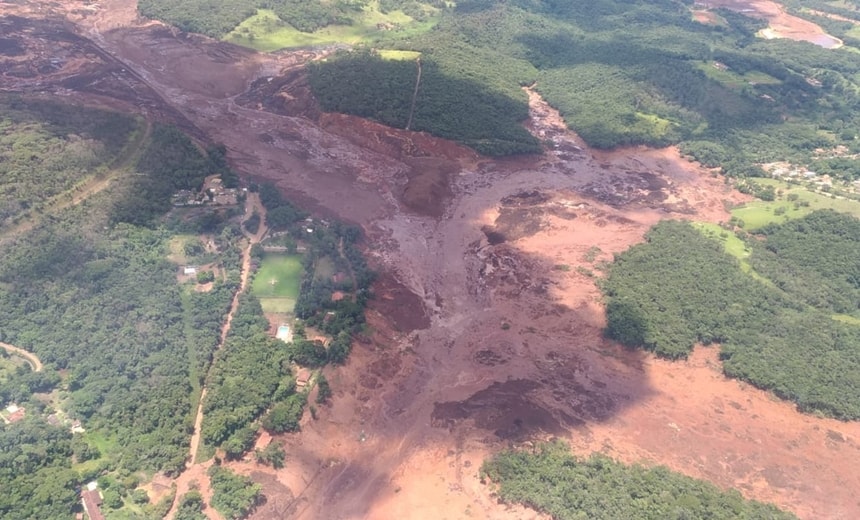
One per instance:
(732, 245)
(732, 79)
(761, 78)
(845, 318)
(8, 365)
(324, 268)
(399, 55)
(759, 213)
(279, 276)
(176, 246)
(265, 31)
(278, 305)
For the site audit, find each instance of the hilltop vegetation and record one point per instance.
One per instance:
(775, 330)
(446, 106)
(216, 19)
(625, 73)
(552, 481)
(46, 149)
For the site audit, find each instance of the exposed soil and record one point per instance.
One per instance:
(486, 329)
(781, 24)
(31, 359)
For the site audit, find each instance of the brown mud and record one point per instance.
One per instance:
(486, 329)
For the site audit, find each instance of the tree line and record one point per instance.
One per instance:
(680, 288)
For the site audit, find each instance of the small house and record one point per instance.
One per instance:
(303, 377)
(92, 501)
(189, 270)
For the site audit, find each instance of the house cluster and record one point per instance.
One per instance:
(213, 193)
(790, 172)
(13, 413)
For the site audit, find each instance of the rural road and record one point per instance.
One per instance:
(31, 358)
(195, 470)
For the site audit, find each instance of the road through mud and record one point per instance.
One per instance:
(486, 327)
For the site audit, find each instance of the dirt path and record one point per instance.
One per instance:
(122, 165)
(31, 358)
(195, 471)
(414, 94)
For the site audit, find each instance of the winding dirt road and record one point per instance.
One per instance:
(31, 358)
(195, 471)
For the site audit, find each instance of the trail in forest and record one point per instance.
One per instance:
(195, 470)
(414, 95)
(97, 183)
(31, 358)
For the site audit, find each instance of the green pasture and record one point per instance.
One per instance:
(277, 282)
(265, 31)
(845, 318)
(8, 365)
(759, 213)
(734, 80)
(399, 55)
(324, 268)
(732, 245)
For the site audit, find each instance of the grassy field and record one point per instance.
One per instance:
(265, 31)
(8, 365)
(176, 247)
(277, 282)
(733, 246)
(760, 213)
(324, 268)
(734, 80)
(399, 55)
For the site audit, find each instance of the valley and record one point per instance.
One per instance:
(486, 330)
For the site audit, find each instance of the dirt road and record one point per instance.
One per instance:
(31, 358)
(195, 471)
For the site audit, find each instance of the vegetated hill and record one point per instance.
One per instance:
(217, 18)
(46, 149)
(681, 288)
(446, 105)
(639, 72)
(552, 481)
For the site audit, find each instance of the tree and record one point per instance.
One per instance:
(285, 416)
(323, 389)
(272, 455)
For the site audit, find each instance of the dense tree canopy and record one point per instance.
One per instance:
(681, 288)
(552, 481)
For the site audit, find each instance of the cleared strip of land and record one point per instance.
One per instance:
(31, 358)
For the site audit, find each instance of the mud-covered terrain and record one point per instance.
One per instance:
(486, 327)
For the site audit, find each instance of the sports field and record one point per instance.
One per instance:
(277, 282)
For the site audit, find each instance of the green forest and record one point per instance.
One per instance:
(90, 291)
(216, 19)
(47, 149)
(549, 479)
(621, 73)
(776, 330)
